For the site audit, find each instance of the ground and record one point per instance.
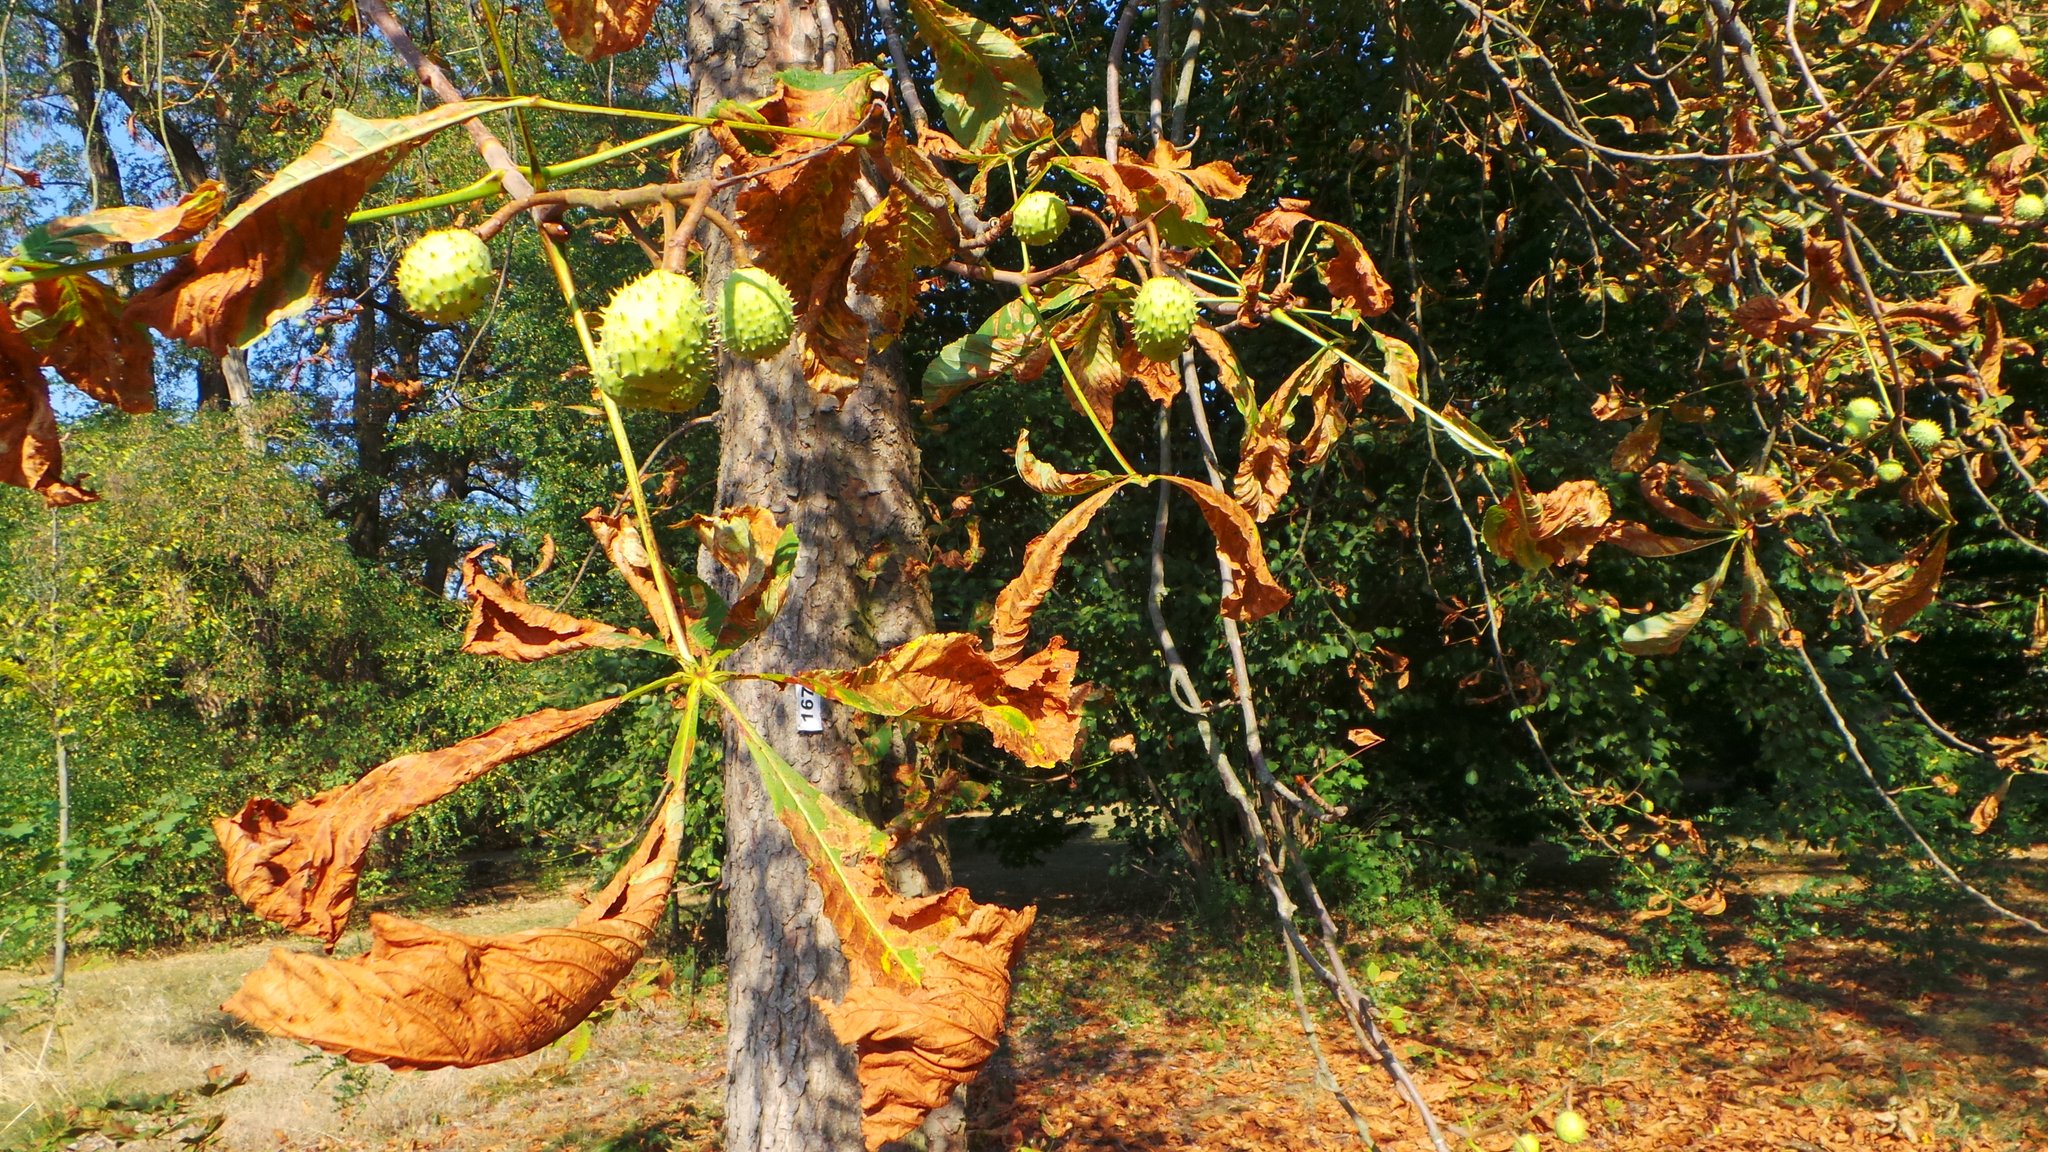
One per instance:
(1133, 1028)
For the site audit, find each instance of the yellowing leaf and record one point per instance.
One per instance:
(70, 237)
(503, 622)
(761, 555)
(796, 215)
(297, 867)
(1664, 633)
(267, 259)
(988, 86)
(423, 998)
(1636, 448)
(595, 29)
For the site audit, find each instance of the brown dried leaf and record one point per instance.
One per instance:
(423, 998)
(31, 447)
(1987, 810)
(1031, 706)
(761, 555)
(1898, 592)
(1254, 592)
(268, 258)
(297, 866)
(595, 29)
(76, 323)
(795, 216)
(917, 1043)
(620, 539)
(1042, 477)
(1636, 448)
(1771, 319)
(1277, 225)
(1011, 626)
(1356, 286)
(503, 622)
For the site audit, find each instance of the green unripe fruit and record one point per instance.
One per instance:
(2003, 43)
(755, 314)
(1526, 1142)
(1980, 200)
(1162, 318)
(1039, 218)
(657, 344)
(1925, 435)
(1863, 410)
(1890, 472)
(445, 275)
(1649, 806)
(1570, 1127)
(1663, 851)
(1856, 429)
(2029, 207)
(1960, 237)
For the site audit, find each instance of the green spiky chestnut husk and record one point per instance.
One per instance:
(1162, 318)
(1039, 218)
(2003, 43)
(1925, 435)
(1863, 410)
(2029, 207)
(445, 275)
(1890, 472)
(656, 350)
(755, 314)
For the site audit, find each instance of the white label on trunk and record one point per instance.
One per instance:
(810, 711)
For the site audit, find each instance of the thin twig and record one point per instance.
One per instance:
(1855, 749)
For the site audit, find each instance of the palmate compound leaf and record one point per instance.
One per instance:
(298, 866)
(929, 977)
(595, 29)
(422, 998)
(267, 258)
(503, 622)
(31, 448)
(1556, 527)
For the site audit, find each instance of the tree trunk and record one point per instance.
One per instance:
(846, 477)
(368, 413)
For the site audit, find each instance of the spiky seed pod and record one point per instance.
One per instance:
(1980, 200)
(1863, 410)
(656, 350)
(755, 314)
(2029, 207)
(445, 275)
(1890, 472)
(2003, 43)
(1162, 318)
(1925, 435)
(1039, 218)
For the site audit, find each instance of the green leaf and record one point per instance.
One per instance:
(985, 76)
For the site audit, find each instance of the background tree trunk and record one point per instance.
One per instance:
(847, 477)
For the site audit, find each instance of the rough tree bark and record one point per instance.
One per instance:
(847, 478)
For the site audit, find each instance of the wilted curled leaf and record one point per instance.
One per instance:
(1042, 477)
(1030, 706)
(595, 29)
(298, 866)
(1011, 625)
(1254, 593)
(31, 451)
(620, 539)
(917, 1043)
(987, 84)
(1665, 633)
(929, 977)
(423, 998)
(70, 237)
(268, 257)
(1555, 527)
(1986, 812)
(761, 555)
(503, 622)
(1356, 286)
